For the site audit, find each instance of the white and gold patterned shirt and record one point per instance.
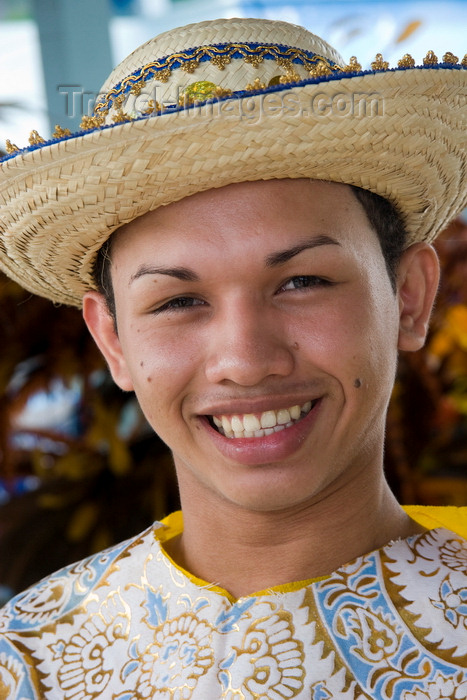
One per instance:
(128, 624)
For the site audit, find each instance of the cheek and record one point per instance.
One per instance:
(356, 338)
(161, 367)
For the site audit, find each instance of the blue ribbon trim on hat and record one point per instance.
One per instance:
(170, 109)
(213, 52)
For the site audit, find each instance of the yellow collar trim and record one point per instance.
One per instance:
(173, 526)
(449, 517)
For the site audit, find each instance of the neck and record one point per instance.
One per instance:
(246, 551)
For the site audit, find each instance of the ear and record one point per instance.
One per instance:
(102, 327)
(417, 283)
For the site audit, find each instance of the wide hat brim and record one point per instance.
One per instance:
(399, 133)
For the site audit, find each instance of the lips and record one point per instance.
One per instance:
(258, 425)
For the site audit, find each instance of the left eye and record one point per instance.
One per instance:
(304, 282)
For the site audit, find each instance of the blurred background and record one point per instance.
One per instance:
(79, 467)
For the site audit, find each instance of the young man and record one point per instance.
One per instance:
(251, 257)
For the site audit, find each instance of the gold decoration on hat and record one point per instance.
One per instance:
(450, 58)
(290, 77)
(11, 147)
(285, 63)
(464, 61)
(223, 92)
(161, 69)
(379, 63)
(163, 75)
(319, 70)
(254, 60)
(430, 59)
(353, 66)
(190, 66)
(35, 138)
(201, 91)
(59, 132)
(151, 108)
(406, 61)
(136, 89)
(120, 117)
(275, 80)
(255, 85)
(88, 123)
(221, 61)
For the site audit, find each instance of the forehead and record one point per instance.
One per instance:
(269, 213)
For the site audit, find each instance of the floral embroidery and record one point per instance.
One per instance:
(52, 597)
(356, 576)
(268, 665)
(11, 675)
(39, 604)
(378, 638)
(453, 602)
(441, 689)
(173, 663)
(454, 555)
(86, 661)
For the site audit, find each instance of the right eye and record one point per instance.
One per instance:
(179, 304)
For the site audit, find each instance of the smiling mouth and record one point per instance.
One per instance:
(257, 425)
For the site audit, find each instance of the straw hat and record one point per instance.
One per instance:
(229, 101)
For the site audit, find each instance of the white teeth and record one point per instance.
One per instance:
(295, 412)
(237, 425)
(249, 425)
(283, 416)
(268, 419)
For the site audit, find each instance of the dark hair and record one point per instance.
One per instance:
(386, 221)
(102, 275)
(382, 215)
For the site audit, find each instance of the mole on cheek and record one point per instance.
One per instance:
(357, 383)
(149, 379)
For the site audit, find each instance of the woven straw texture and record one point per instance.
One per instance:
(399, 133)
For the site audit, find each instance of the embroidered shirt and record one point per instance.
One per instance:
(129, 624)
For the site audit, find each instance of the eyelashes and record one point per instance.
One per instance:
(305, 282)
(297, 283)
(179, 304)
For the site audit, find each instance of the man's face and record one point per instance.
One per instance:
(259, 330)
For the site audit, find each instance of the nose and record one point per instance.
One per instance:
(246, 345)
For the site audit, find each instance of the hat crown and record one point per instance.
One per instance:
(220, 31)
(227, 55)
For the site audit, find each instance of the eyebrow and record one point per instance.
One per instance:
(180, 273)
(284, 256)
(186, 275)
